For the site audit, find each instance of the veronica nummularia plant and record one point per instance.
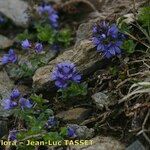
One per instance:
(67, 80)
(107, 39)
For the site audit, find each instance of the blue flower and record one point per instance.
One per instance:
(8, 104)
(51, 122)
(70, 132)
(12, 135)
(25, 103)
(15, 94)
(2, 20)
(5, 59)
(11, 57)
(38, 47)
(51, 12)
(108, 39)
(65, 72)
(26, 44)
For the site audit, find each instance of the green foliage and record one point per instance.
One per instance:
(64, 37)
(123, 26)
(129, 46)
(63, 132)
(45, 33)
(24, 35)
(113, 70)
(52, 136)
(27, 69)
(144, 16)
(74, 90)
(21, 71)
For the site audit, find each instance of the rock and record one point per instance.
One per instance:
(82, 132)
(16, 10)
(107, 7)
(137, 145)
(75, 115)
(3, 128)
(103, 99)
(101, 143)
(83, 55)
(5, 42)
(6, 86)
(85, 30)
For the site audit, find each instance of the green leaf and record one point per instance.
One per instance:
(53, 136)
(24, 35)
(74, 90)
(63, 131)
(64, 37)
(129, 46)
(45, 33)
(144, 16)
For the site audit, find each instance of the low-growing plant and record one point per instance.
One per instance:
(74, 90)
(142, 24)
(33, 120)
(67, 80)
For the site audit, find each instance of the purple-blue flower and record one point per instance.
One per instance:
(8, 104)
(11, 57)
(25, 103)
(15, 94)
(38, 47)
(70, 132)
(108, 39)
(51, 12)
(12, 135)
(5, 59)
(65, 72)
(26, 44)
(2, 20)
(51, 122)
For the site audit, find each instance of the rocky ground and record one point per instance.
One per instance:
(104, 114)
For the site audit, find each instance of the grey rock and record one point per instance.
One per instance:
(75, 115)
(82, 132)
(118, 7)
(101, 143)
(137, 145)
(83, 55)
(85, 30)
(16, 10)
(103, 99)
(5, 42)
(3, 128)
(6, 86)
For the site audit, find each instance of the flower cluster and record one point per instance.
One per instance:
(11, 57)
(71, 132)
(108, 39)
(12, 135)
(52, 122)
(65, 72)
(51, 12)
(11, 102)
(2, 20)
(26, 44)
